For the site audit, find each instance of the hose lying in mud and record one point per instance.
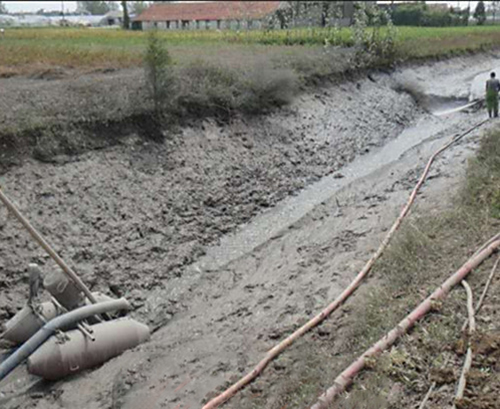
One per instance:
(38, 238)
(346, 377)
(52, 326)
(278, 349)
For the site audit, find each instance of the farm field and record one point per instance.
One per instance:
(23, 50)
(216, 73)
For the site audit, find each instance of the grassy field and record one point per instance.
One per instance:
(104, 48)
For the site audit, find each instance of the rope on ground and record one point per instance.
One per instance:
(485, 291)
(487, 286)
(427, 396)
(346, 377)
(468, 358)
(478, 308)
(278, 349)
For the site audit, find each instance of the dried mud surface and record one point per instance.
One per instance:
(133, 219)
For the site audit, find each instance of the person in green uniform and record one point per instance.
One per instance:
(492, 88)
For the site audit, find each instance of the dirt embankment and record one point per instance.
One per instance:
(134, 216)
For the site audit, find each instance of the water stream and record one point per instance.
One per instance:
(270, 223)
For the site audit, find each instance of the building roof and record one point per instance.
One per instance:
(217, 10)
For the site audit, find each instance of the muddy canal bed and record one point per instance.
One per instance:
(132, 216)
(198, 232)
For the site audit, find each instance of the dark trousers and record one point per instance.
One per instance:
(492, 104)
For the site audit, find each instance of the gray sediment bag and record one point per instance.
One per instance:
(55, 360)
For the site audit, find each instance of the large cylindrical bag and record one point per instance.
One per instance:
(55, 360)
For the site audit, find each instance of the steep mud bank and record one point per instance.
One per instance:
(132, 218)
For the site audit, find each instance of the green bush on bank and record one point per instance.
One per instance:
(482, 188)
(421, 15)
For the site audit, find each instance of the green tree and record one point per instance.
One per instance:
(495, 8)
(94, 7)
(409, 14)
(3, 9)
(126, 18)
(374, 36)
(480, 13)
(159, 77)
(112, 5)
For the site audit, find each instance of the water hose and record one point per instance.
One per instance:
(52, 326)
(458, 109)
(278, 349)
(38, 238)
(346, 377)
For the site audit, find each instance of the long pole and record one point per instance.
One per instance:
(38, 238)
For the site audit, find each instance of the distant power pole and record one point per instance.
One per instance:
(62, 9)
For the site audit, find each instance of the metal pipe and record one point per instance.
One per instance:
(67, 269)
(51, 327)
(82, 326)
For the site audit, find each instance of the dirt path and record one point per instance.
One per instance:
(135, 217)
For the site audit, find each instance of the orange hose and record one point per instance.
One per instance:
(274, 352)
(346, 377)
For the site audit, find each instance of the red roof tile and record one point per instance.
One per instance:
(217, 10)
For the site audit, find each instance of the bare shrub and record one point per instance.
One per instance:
(210, 89)
(207, 89)
(268, 88)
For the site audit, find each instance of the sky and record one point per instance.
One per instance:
(70, 6)
(34, 6)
